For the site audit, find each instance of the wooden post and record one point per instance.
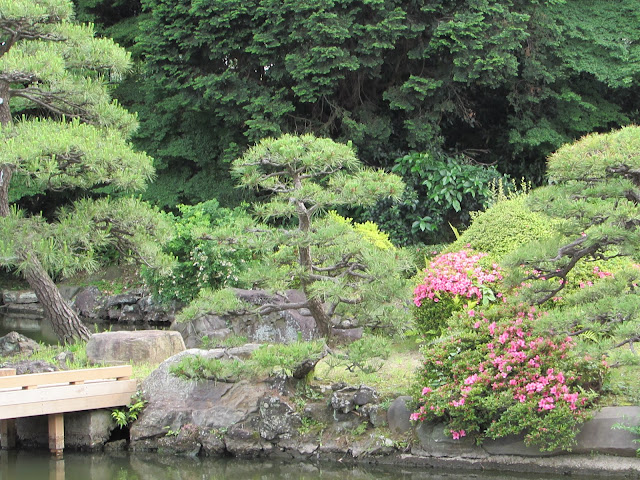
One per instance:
(56, 433)
(8, 426)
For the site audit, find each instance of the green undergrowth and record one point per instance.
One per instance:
(266, 360)
(395, 376)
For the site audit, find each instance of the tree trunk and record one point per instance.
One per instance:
(6, 171)
(66, 323)
(319, 314)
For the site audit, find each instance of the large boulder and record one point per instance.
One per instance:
(14, 343)
(174, 402)
(144, 346)
(135, 306)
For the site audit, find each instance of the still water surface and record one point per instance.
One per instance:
(81, 466)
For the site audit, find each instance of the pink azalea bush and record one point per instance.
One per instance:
(494, 377)
(451, 281)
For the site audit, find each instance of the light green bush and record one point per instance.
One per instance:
(504, 227)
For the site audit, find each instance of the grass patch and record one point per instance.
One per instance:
(266, 360)
(395, 377)
(623, 387)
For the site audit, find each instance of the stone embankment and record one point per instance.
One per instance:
(284, 418)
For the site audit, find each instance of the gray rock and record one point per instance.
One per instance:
(144, 346)
(208, 405)
(186, 443)
(376, 414)
(19, 296)
(87, 302)
(14, 343)
(88, 430)
(434, 443)
(348, 399)
(31, 366)
(597, 435)
(115, 446)
(213, 443)
(398, 415)
(246, 443)
(277, 419)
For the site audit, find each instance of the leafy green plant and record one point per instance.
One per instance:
(266, 360)
(310, 425)
(507, 225)
(206, 256)
(170, 432)
(124, 417)
(492, 377)
(286, 357)
(635, 429)
(360, 429)
(451, 282)
(440, 191)
(197, 367)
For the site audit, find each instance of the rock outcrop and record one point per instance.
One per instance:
(144, 346)
(13, 343)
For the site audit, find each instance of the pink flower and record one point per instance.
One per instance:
(471, 313)
(457, 435)
(426, 390)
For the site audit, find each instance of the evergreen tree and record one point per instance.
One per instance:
(61, 131)
(340, 272)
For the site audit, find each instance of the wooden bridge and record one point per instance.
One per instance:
(55, 393)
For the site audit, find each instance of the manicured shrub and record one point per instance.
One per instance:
(504, 227)
(205, 257)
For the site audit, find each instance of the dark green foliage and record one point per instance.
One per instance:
(206, 254)
(440, 192)
(430, 318)
(507, 82)
(586, 273)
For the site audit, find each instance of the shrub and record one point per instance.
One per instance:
(494, 377)
(451, 281)
(206, 258)
(440, 190)
(504, 227)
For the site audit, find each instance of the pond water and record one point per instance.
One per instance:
(34, 327)
(80, 466)
(40, 329)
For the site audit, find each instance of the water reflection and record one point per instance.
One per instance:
(35, 327)
(74, 466)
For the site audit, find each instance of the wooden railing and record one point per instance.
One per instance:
(55, 393)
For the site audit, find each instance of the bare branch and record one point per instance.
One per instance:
(271, 307)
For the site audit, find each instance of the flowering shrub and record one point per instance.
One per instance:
(202, 261)
(493, 378)
(450, 281)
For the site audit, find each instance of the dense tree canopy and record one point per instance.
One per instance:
(504, 82)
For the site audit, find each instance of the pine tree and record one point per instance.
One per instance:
(341, 272)
(60, 130)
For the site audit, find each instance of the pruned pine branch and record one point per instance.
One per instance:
(272, 307)
(575, 254)
(629, 341)
(56, 102)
